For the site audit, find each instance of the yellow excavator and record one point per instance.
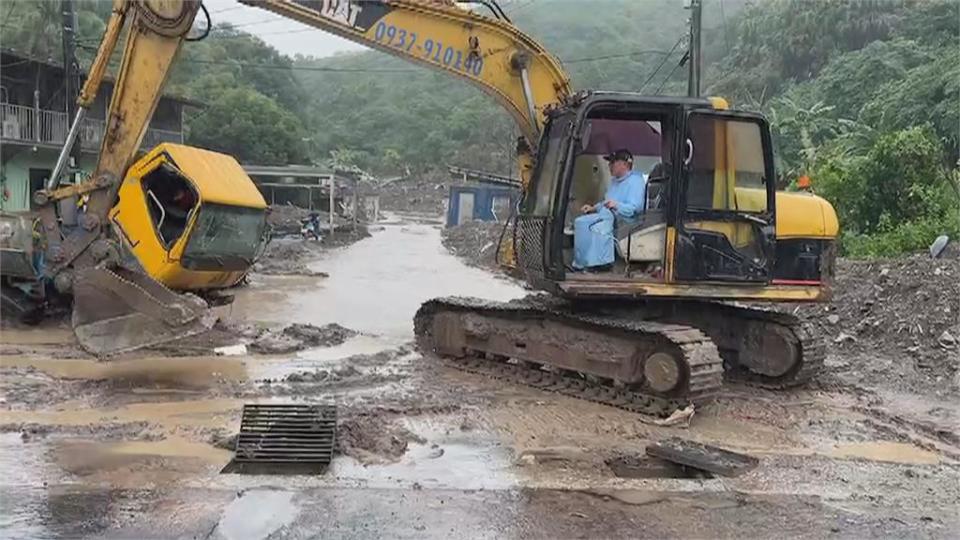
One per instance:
(178, 218)
(658, 329)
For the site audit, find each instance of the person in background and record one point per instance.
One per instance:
(593, 231)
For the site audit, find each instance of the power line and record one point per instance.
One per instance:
(612, 56)
(255, 23)
(231, 27)
(520, 7)
(16, 63)
(245, 35)
(674, 70)
(303, 68)
(723, 17)
(664, 61)
(225, 10)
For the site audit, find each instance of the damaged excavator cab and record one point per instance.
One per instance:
(117, 310)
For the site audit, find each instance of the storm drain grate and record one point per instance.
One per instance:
(284, 439)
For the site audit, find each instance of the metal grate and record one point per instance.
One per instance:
(285, 439)
(529, 239)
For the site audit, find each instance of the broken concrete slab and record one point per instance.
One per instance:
(703, 456)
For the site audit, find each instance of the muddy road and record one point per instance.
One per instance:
(133, 448)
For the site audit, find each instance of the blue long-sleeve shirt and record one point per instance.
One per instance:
(630, 193)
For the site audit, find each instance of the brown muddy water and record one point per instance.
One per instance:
(128, 448)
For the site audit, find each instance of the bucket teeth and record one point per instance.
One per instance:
(117, 310)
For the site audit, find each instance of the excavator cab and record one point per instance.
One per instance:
(192, 217)
(709, 225)
(190, 220)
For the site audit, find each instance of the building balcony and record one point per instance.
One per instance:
(28, 125)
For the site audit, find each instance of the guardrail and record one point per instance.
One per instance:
(26, 124)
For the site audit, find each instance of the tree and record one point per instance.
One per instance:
(899, 191)
(251, 127)
(927, 94)
(783, 41)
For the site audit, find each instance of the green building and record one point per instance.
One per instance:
(34, 125)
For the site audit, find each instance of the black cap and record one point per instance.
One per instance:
(619, 155)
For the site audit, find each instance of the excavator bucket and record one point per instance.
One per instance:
(117, 310)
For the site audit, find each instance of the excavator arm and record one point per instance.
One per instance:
(116, 306)
(156, 30)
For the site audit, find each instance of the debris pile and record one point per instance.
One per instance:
(323, 375)
(414, 195)
(297, 337)
(475, 242)
(369, 438)
(907, 306)
(285, 219)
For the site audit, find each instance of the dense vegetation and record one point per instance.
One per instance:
(864, 95)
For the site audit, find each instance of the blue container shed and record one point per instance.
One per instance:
(480, 203)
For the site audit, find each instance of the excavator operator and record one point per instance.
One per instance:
(593, 231)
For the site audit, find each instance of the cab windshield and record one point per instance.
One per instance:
(224, 238)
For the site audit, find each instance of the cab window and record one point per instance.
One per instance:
(727, 165)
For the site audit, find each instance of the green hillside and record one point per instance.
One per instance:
(864, 95)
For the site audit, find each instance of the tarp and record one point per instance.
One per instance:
(638, 136)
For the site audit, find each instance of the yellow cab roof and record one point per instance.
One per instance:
(219, 178)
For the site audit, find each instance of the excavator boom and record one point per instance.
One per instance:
(489, 53)
(116, 306)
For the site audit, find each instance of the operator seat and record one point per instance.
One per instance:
(643, 239)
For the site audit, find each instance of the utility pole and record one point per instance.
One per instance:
(71, 68)
(693, 81)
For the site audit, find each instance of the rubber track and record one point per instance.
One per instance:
(699, 351)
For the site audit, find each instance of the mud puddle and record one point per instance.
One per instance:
(47, 335)
(184, 370)
(891, 452)
(280, 367)
(26, 473)
(169, 414)
(437, 457)
(256, 514)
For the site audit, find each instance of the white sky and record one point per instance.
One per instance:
(309, 42)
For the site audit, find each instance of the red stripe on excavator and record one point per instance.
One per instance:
(795, 282)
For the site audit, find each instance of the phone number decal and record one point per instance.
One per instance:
(430, 49)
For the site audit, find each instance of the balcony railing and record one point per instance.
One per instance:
(26, 124)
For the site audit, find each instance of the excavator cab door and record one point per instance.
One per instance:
(726, 217)
(534, 230)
